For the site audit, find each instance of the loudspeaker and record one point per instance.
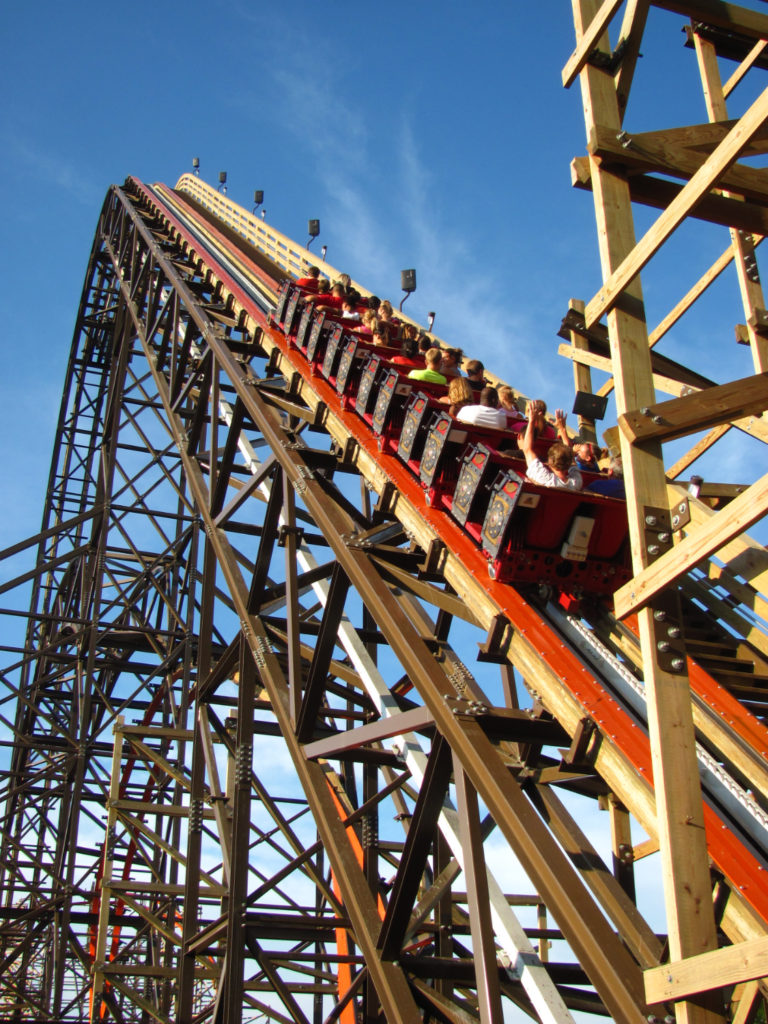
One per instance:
(591, 407)
(258, 197)
(408, 280)
(313, 228)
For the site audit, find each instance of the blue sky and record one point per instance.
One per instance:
(418, 135)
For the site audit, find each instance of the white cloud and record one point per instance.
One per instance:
(380, 191)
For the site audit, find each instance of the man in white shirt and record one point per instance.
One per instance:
(349, 309)
(487, 413)
(559, 470)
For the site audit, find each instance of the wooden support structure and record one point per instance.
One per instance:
(718, 186)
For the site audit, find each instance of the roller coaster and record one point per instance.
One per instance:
(323, 710)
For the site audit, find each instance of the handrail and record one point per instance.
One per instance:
(285, 252)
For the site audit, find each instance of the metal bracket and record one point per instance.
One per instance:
(464, 707)
(385, 503)
(300, 485)
(609, 62)
(346, 456)
(458, 677)
(750, 264)
(260, 648)
(243, 759)
(657, 531)
(576, 756)
(289, 531)
(355, 542)
(681, 514)
(435, 557)
(496, 645)
(195, 815)
(370, 831)
(667, 616)
(668, 636)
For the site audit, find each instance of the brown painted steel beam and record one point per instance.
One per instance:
(421, 835)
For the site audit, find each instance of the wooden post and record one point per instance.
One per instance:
(682, 841)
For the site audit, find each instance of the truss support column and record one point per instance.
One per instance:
(484, 948)
(105, 892)
(682, 838)
(232, 1001)
(82, 711)
(187, 961)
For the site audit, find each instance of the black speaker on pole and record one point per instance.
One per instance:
(408, 280)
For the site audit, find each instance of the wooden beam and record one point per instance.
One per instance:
(702, 181)
(748, 595)
(690, 142)
(727, 45)
(744, 67)
(659, 193)
(748, 996)
(742, 962)
(584, 356)
(723, 609)
(646, 154)
(428, 592)
(645, 849)
(719, 493)
(755, 426)
(743, 556)
(697, 451)
(631, 35)
(618, 904)
(685, 303)
(701, 410)
(721, 15)
(734, 519)
(588, 41)
(223, 823)
(666, 384)
(682, 307)
(662, 366)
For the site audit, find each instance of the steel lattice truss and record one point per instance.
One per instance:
(255, 771)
